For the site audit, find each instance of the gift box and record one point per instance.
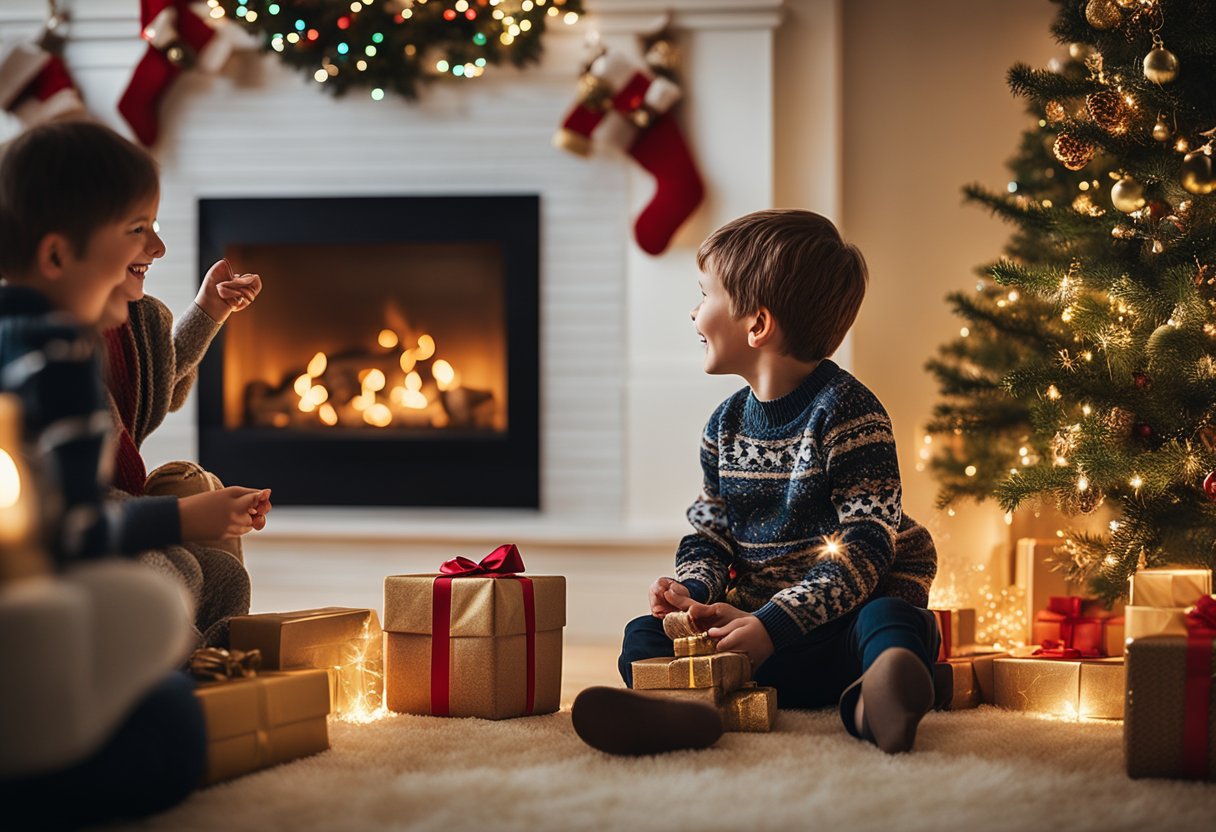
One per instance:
(1069, 688)
(1170, 726)
(348, 643)
(1145, 622)
(957, 627)
(700, 645)
(1035, 574)
(983, 665)
(1169, 587)
(1080, 625)
(477, 639)
(750, 709)
(263, 721)
(955, 685)
(710, 696)
(725, 671)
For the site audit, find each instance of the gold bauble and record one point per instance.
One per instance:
(1162, 131)
(1109, 111)
(1054, 112)
(1127, 195)
(1072, 152)
(1160, 66)
(1103, 14)
(1197, 175)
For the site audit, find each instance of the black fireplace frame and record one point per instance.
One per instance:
(346, 468)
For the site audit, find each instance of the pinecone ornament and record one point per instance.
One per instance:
(1109, 111)
(1073, 153)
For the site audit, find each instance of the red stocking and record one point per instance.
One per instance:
(35, 85)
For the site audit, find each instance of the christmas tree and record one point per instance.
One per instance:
(1085, 372)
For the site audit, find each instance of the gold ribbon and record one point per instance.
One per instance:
(215, 664)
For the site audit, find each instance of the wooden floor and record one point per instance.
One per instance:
(586, 665)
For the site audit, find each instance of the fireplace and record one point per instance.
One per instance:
(392, 357)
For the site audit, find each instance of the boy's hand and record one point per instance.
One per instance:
(666, 595)
(224, 292)
(229, 512)
(733, 629)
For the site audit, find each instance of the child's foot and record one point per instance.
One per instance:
(622, 721)
(896, 692)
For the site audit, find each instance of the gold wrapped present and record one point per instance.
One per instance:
(750, 709)
(1169, 587)
(1061, 687)
(1035, 573)
(1146, 622)
(957, 628)
(262, 721)
(699, 645)
(346, 642)
(467, 643)
(1170, 727)
(710, 696)
(984, 667)
(955, 685)
(724, 671)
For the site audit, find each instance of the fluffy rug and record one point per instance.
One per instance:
(984, 769)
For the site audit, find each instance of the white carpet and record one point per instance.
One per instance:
(983, 769)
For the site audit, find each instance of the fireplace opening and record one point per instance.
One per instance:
(392, 357)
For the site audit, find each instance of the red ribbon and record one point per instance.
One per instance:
(1068, 612)
(503, 562)
(1052, 649)
(1200, 641)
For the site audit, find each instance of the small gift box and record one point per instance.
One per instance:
(1069, 688)
(1036, 573)
(1075, 624)
(957, 627)
(750, 709)
(477, 639)
(955, 685)
(700, 645)
(346, 642)
(1169, 587)
(264, 720)
(726, 672)
(1170, 727)
(1145, 622)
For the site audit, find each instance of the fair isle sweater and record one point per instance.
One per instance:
(800, 519)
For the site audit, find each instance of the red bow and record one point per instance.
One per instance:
(505, 561)
(1052, 649)
(1201, 621)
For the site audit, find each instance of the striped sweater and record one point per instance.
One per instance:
(800, 519)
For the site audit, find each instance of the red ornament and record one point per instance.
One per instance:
(1144, 430)
(1142, 381)
(449, 14)
(1157, 210)
(343, 22)
(1209, 486)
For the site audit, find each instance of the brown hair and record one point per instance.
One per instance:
(70, 178)
(796, 264)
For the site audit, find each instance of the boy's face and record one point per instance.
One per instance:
(724, 336)
(140, 245)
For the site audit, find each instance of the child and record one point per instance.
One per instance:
(802, 557)
(77, 205)
(150, 366)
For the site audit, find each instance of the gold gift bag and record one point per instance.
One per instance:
(346, 642)
(263, 721)
(466, 643)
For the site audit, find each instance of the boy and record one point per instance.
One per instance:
(77, 211)
(802, 557)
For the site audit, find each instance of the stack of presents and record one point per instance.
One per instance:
(484, 640)
(1150, 662)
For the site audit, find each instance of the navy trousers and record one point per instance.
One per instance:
(153, 761)
(814, 672)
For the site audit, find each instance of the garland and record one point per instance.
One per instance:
(392, 45)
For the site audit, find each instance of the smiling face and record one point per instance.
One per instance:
(723, 335)
(144, 246)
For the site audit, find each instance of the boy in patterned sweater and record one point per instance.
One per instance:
(801, 555)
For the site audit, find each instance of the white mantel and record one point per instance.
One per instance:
(623, 395)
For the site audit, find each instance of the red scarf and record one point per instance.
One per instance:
(130, 473)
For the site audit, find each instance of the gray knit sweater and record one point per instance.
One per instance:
(800, 517)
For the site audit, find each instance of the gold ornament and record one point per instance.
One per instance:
(1084, 204)
(1127, 195)
(1109, 111)
(1054, 112)
(1162, 131)
(1196, 174)
(1073, 152)
(1122, 232)
(1160, 65)
(1182, 145)
(1103, 14)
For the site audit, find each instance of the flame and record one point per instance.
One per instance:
(415, 400)
(408, 359)
(379, 415)
(317, 395)
(426, 347)
(387, 339)
(328, 415)
(445, 376)
(317, 366)
(10, 481)
(413, 382)
(306, 406)
(374, 380)
(302, 385)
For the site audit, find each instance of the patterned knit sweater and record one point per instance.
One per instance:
(800, 519)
